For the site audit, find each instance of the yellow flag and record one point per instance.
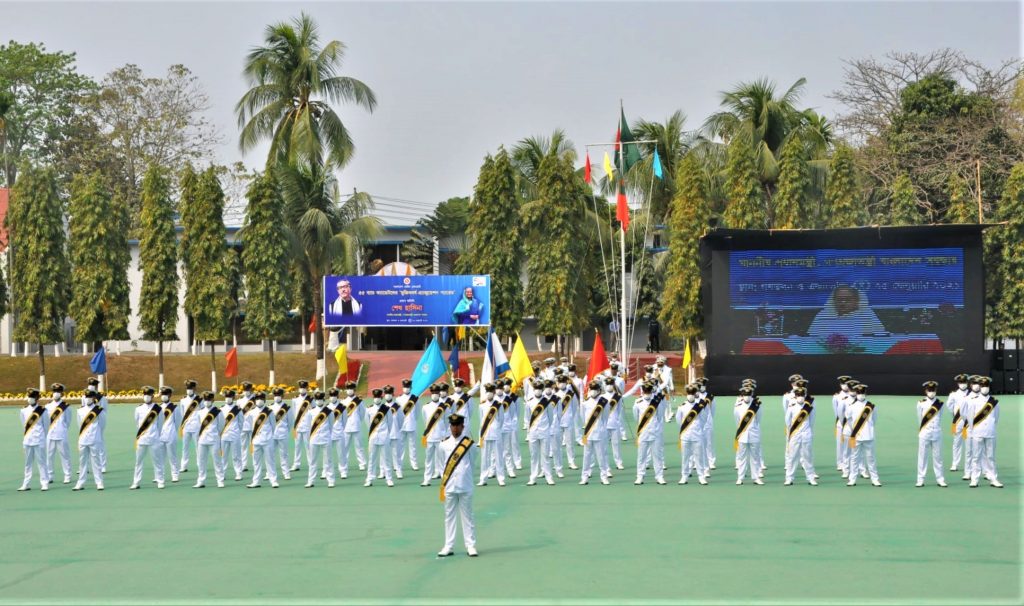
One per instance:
(519, 363)
(686, 355)
(608, 167)
(341, 355)
(460, 333)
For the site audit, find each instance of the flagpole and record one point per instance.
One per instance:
(623, 347)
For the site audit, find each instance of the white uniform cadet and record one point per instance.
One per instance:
(982, 417)
(88, 437)
(538, 433)
(708, 428)
(840, 400)
(510, 428)
(861, 416)
(299, 425)
(690, 419)
(378, 434)
(394, 456)
(284, 421)
(262, 444)
(615, 422)
(147, 440)
(189, 422)
(457, 488)
(355, 412)
(955, 403)
(170, 424)
(247, 402)
(321, 451)
(572, 434)
(492, 457)
(338, 420)
(668, 384)
(211, 424)
(434, 430)
(929, 434)
(594, 435)
(565, 420)
(407, 440)
(231, 434)
(747, 415)
(800, 415)
(94, 385)
(57, 437)
(649, 410)
(34, 422)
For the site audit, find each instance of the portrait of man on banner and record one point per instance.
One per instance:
(346, 305)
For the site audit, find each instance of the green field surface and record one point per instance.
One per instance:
(611, 544)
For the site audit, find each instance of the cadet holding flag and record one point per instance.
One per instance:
(410, 418)
(594, 439)
(434, 431)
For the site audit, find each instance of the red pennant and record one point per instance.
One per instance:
(312, 324)
(598, 359)
(622, 209)
(586, 169)
(618, 139)
(231, 366)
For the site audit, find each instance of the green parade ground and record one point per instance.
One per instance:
(609, 544)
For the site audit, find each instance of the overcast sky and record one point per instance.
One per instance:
(455, 81)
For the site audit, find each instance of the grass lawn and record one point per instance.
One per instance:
(612, 544)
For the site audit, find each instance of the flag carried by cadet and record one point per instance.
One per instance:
(520, 364)
(341, 357)
(453, 361)
(495, 362)
(598, 359)
(430, 368)
(98, 363)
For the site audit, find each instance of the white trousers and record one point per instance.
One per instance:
(407, 445)
(648, 450)
(101, 448)
(748, 456)
(35, 455)
(594, 453)
(842, 451)
(61, 448)
(188, 440)
(863, 454)
(616, 449)
(379, 461)
(169, 454)
(540, 464)
(320, 453)
(692, 457)
(233, 449)
(246, 439)
(568, 444)
(430, 461)
(935, 446)
(513, 457)
(709, 444)
(301, 445)
(962, 446)
(89, 458)
(555, 449)
(281, 452)
(796, 454)
(395, 453)
(263, 456)
(205, 452)
(983, 459)
(348, 439)
(459, 505)
(156, 456)
(492, 459)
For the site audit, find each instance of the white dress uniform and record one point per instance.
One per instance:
(88, 455)
(492, 456)
(649, 435)
(982, 417)
(407, 438)
(537, 435)
(929, 438)
(510, 432)
(458, 500)
(57, 438)
(262, 445)
(799, 428)
(840, 400)
(299, 426)
(394, 458)
(246, 403)
(104, 405)
(462, 405)
(708, 430)
(211, 424)
(434, 431)
(338, 420)
(862, 450)
(594, 438)
(355, 411)
(34, 422)
(320, 448)
(565, 419)
(691, 440)
(668, 387)
(615, 424)
(189, 427)
(284, 420)
(171, 416)
(961, 447)
(147, 441)
(748, 443)
(231, 436)
(378, 428)
(573, 433)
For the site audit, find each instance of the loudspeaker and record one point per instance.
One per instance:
(1011, 381)
(998, 381)
(1011, 359)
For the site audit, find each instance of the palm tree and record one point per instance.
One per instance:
(672, 143)
(325, 233)
(292, 79)
(528, 153)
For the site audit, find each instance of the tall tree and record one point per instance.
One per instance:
(293, 78)
(962, 207)
(746, 206)
(790, 210)
(448, 224)
(495, 245)
(39, 270)
(158, 260)
(46, 90)
(903, 203)
(681, 307)
(207, 264)
(672, 142)
(98, 228)
(265, 258)
(843, 206)
(1008, 299)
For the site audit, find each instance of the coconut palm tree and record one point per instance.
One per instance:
(528, 153)
(293, 80)
(672, 143)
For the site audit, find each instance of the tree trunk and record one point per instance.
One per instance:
(42, 369)
(318, 337)
(271, 341)
(213, 367)
(160, 357)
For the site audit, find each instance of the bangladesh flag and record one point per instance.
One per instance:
(624, 142)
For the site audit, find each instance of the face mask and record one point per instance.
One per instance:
(962, 386)
(690, 397)
(228, 399)
(458, 390)
(547, 391)
(389, 397)
(434, 397)
(334, 399)
(147, 399)
(862, 397)
(165, 399)
(190, 392)
(207, 403)
(572, 373)
(32, 401)
(487, 396)
(984, 391)
(57, 397)
(799, 399)
(277, 399)
(930, 394)
(975, 388)
(260, 403)
(405, 391)
(376, 401)
(247, 393)
(350, 392)
(844, 388)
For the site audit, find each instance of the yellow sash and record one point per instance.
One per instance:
(929, 414)
(493, 410)
(33, 418)
(188, 413)
(298, 417)
(591, 422)
(318, 421)
(748, 417)
(861, 420)
(87, 421)
(57, 412)
(256, 426)
(375, 422)
(453, 461)
(209, 418)
(434, 418)
(644, 420)
(151, 416)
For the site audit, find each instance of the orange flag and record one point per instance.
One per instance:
(231, 366)
(598, 359)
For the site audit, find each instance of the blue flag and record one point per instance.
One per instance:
(453, 359)
(430, 368)
(444, 335)
(657, 164)
(98, 363)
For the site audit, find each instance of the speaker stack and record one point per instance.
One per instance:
(1008, 373)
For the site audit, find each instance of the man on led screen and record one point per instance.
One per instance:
(345, 305)
(846, 313)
